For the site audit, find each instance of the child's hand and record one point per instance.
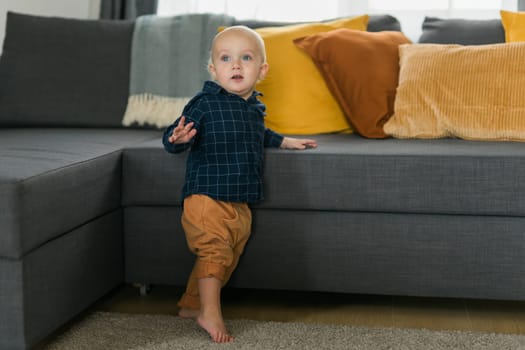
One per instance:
(182, 133)
(293, 143)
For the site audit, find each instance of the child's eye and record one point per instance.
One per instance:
(225, 58)
(247, 58)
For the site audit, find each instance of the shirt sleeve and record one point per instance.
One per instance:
(272, 139)
(171, 147)
(193, 113)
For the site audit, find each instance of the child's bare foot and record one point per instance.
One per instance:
(188, 313)
(215, 327)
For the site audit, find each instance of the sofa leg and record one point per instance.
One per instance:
(144, 288)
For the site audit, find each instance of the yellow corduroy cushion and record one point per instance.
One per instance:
(470, 92)
(297, 98)
(514, 25)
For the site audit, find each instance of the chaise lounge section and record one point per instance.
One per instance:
(61, 225)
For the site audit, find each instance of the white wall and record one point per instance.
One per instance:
(60, 8)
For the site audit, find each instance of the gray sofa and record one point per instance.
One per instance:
(87, 205)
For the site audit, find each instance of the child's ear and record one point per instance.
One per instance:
(211, 69)
(263, 71)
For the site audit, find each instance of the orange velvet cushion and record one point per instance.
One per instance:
(361, 70)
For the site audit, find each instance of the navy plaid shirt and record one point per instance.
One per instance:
(226, 155)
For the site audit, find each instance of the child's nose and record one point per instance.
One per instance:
(236, 63)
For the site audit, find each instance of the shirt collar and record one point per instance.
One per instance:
(215, 89)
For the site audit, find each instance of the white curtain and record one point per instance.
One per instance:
(409, 12)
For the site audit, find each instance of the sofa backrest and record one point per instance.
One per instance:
(462, 31)
(64, 72)
(376, 23)
(76, 73)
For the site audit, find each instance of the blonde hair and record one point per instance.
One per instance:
(244, 29)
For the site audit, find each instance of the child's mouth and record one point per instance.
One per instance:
(237, 77)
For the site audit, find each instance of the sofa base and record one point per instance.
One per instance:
(155, 246)
(458, 256)
(53, 283)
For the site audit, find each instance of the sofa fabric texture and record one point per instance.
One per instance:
(87, 204)
(64, 72)
(349, 173)
(58, 280)
(74, 172)
(403, 252)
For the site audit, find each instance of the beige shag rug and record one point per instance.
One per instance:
(116, 331)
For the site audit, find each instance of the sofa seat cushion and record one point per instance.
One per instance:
(351, 173)
(53, 180)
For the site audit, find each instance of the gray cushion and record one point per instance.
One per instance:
(462, 31)
(64, 72)
(379, 23)
(53, 180)
(350, 173)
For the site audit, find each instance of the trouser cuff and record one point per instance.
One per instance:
(189, 302)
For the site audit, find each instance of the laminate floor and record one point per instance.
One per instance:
(358, 310)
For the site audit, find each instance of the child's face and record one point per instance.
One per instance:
(237, 62)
